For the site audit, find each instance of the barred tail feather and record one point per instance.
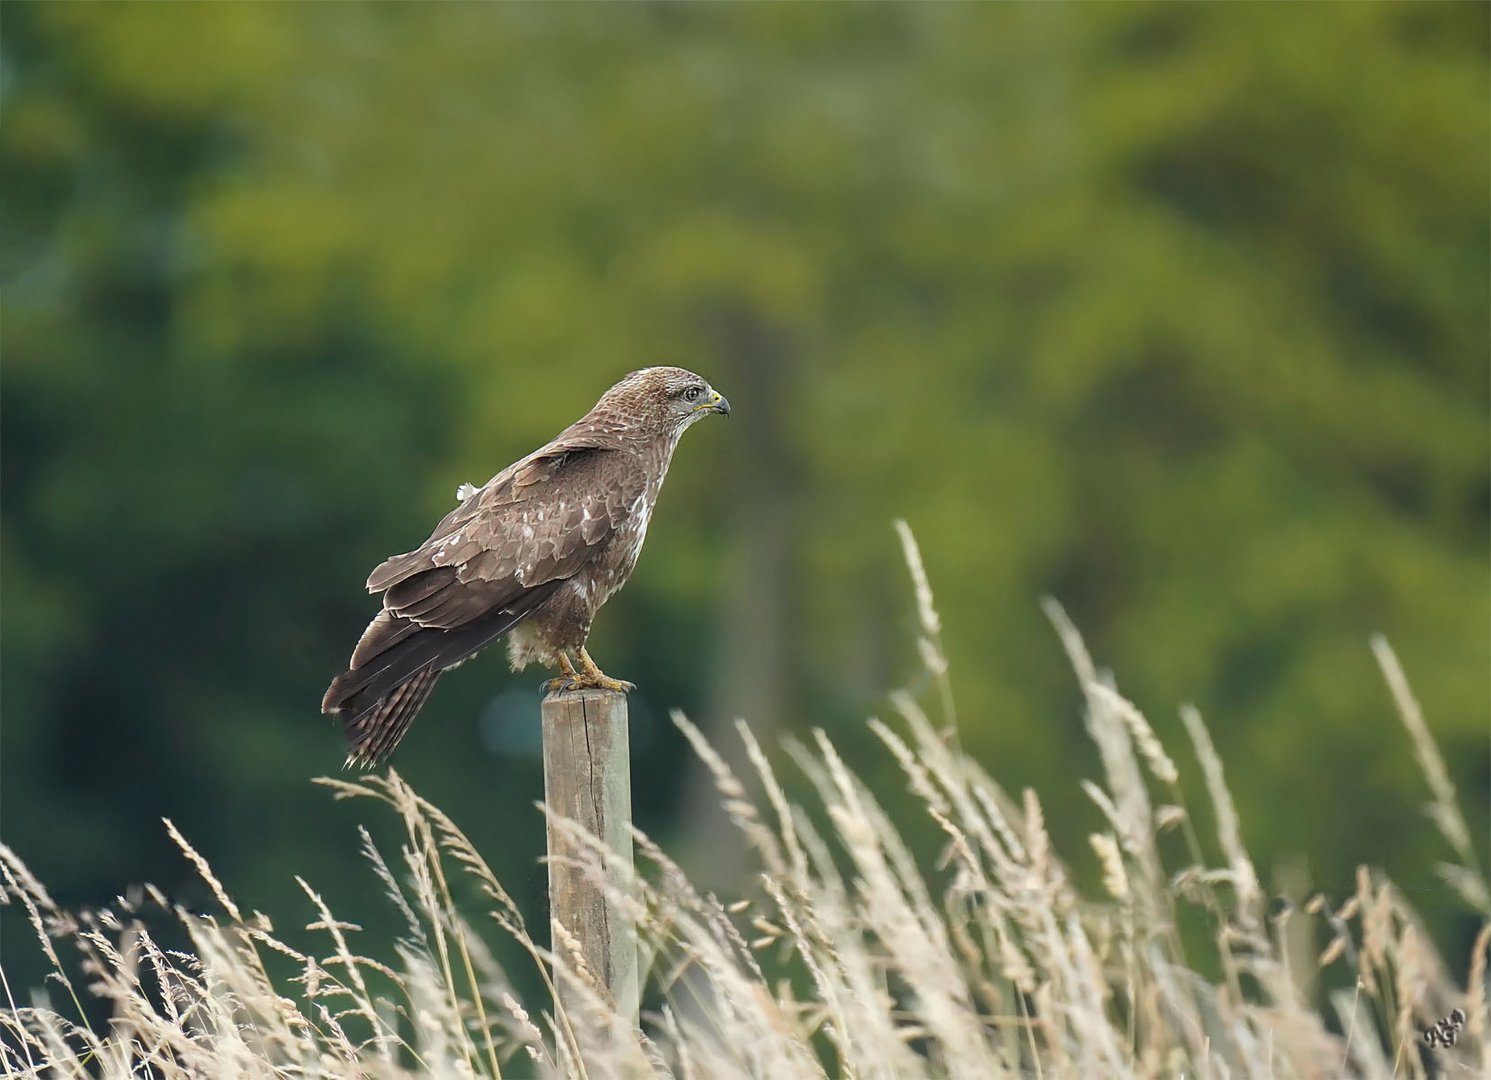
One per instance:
(395, 666)
(375, 734)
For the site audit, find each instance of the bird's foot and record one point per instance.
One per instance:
(619, 686)
(591, 677)
(566, 679)
(601, 681)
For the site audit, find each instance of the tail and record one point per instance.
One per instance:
(396, 665)
(375, 734)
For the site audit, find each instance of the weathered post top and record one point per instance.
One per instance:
(587, 779)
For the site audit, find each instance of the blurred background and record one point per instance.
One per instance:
(1178, 314)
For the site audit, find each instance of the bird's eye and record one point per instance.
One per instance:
(692, 394)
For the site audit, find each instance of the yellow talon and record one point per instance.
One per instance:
(589, 677)
(567, 678)
(592, 675)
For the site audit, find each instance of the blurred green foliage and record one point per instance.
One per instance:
(1177, 313)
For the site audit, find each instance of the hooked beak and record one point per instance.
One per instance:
(716, 403)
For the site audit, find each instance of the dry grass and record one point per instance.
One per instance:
(847, 958)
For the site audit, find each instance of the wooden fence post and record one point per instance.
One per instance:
(587, 778)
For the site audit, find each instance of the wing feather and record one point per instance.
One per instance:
(362, 688)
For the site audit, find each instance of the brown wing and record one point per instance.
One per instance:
(489, 564)
(537, 523)
(581, 465)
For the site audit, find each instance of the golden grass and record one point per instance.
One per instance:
(846, 957)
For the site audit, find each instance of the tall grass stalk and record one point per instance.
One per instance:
(847, 953)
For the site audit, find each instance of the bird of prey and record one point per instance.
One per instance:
(533, 553)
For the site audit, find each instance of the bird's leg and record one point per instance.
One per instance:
(592, 675)
(568, 676)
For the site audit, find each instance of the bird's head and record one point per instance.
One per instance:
(661, 399)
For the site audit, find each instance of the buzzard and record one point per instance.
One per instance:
(533, 553)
